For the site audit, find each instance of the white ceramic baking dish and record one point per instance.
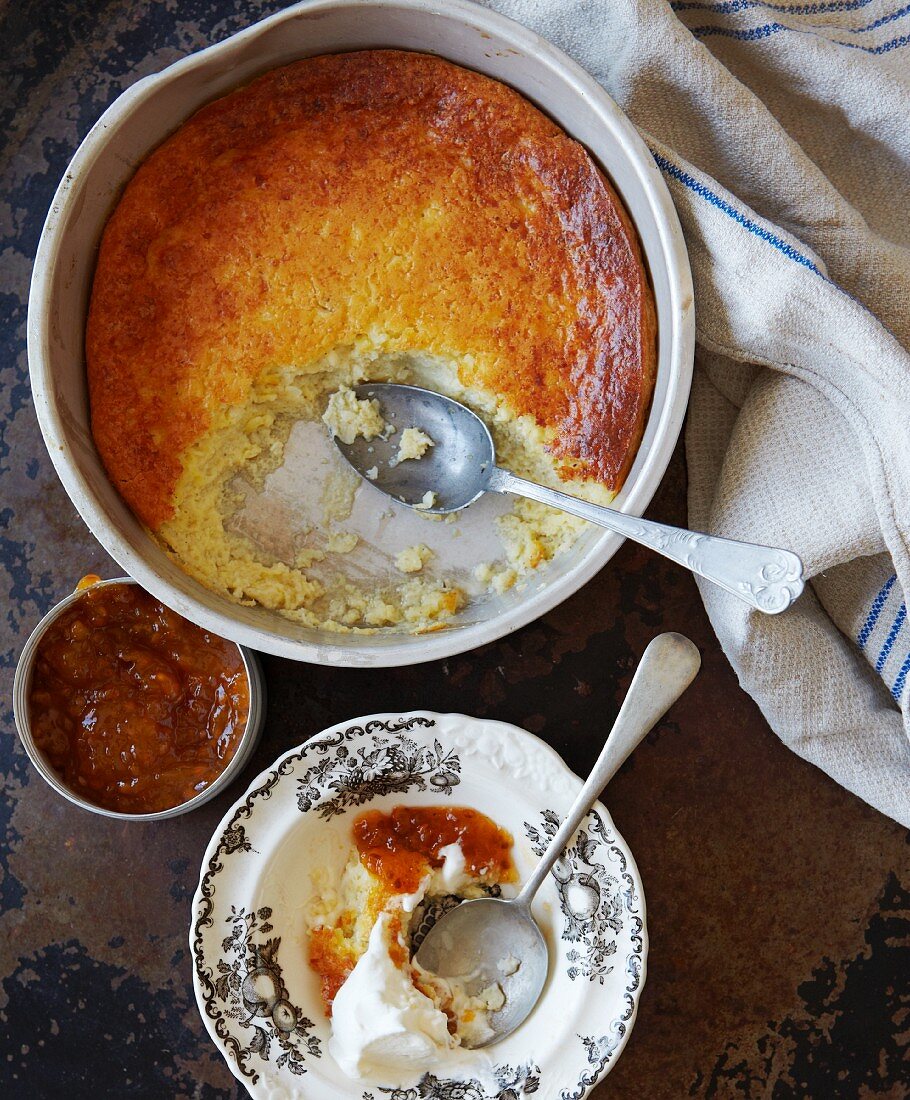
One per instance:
(152, 108)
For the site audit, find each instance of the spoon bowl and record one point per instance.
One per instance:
(514, 956)
(456, 468)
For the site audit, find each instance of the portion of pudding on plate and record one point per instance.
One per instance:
(392, 1020)
(370, 216)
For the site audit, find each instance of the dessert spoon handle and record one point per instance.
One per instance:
(665, 670)
(767, 578)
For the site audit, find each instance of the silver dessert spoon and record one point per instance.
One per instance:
(494, 941)
(461, 467)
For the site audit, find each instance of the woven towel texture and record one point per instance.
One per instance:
(781, 130)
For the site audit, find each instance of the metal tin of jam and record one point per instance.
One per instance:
(22, 686)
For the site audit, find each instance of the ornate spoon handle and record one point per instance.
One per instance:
(767, 578)
(667, 667)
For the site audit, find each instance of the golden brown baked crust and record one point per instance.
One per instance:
(379, 192)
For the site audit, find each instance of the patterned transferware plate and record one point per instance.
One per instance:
(257, 995)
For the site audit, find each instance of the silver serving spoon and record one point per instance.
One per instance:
(462, 467)
(485, 938)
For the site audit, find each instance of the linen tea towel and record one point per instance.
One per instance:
(783, 133)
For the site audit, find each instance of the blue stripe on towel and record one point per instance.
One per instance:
(699, 188)
(878, 22)
(775, 241)
(885, 47)
(877, 604)
(730, 7)
(753, 34)
(892, 635)
(898, 688)
(756, 34)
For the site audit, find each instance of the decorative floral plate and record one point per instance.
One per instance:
(260, 1000)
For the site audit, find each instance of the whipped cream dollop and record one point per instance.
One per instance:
(382, 1026)
(447, 879)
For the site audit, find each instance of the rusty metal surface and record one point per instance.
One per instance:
(778, 904)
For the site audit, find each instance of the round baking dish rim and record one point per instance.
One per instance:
(632, 500)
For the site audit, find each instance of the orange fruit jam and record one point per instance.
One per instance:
(135, 708)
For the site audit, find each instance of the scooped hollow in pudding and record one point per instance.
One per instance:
(391, 1020)
(379, 215)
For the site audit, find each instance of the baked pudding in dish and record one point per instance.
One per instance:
(372, 216)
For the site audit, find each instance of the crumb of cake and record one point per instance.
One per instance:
(413, 558)
(342, 542)
(503, 580)
(428, 500)
(372, 473)
(413, 444)
(492, 998)
(338, 495)
(349, 416)
(425, 602)
(496, 580)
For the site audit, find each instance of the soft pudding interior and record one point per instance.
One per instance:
(314, 568)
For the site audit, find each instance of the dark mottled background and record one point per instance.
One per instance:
(778, 904)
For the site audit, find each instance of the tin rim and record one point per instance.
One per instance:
(21, 713)
(118, 532)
